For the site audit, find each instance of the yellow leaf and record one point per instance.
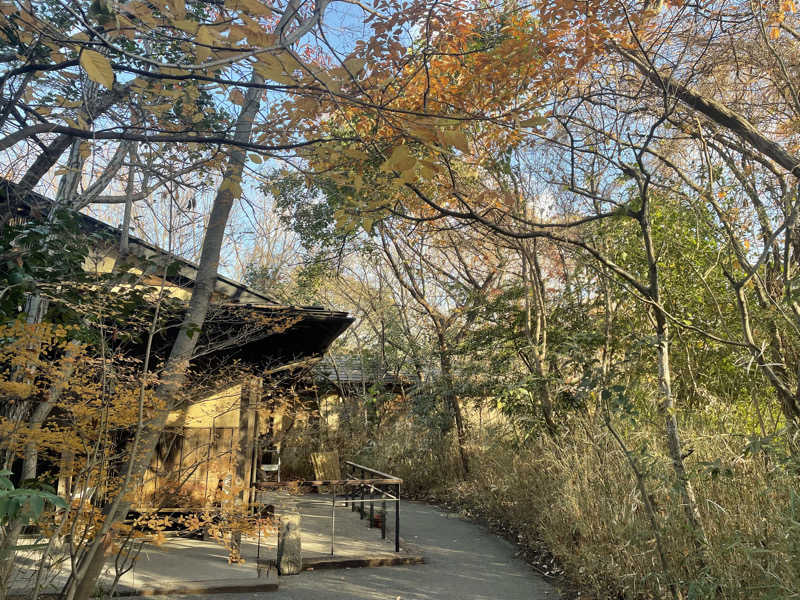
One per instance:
(355, 65)
(319, 76)
(178, 8)
(454, 137)
(423, 131)
(203, 40)
(160, 108)
(427, 173)
(255, 33)
(186, 25)
(367, 222)
(98, 68)
(270, 68)
(355, 153)
(401, 160)
(535, 122)
(256, 158)
(141, 10)
(236, 34)
(254, 7)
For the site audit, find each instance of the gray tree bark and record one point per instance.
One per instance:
(82, 583)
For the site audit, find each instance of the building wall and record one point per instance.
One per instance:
(220, 409)
(199, 449)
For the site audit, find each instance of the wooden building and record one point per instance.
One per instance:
(250, 346)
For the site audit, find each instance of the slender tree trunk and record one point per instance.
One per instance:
(84, 581)
(29, 462)
(789, 400)
(451, 400)
(69, 182)
(47, 159)
(666, 405)
(667, 411)
(535, 359)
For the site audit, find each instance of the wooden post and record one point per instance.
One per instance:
(247, 421)
(361, 504)
(256, 385)
(244, 462)
(65, 474)
(371, 506)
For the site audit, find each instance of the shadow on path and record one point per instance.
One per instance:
(463, 561)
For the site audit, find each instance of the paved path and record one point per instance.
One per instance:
(463, 562)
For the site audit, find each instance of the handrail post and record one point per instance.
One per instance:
(397, 521)
(352, 491)
(372, 506)
(361, 506)
(383, 520)
(333, 516)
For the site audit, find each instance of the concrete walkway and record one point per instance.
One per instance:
(463, 561)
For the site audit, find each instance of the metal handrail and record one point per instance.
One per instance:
(358, 486)
(374, 471)
(374, 486)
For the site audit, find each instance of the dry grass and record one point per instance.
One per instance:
(577, 495)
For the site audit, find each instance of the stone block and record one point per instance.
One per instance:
(290, 557)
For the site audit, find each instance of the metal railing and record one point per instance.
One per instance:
(379, 485)
(360, 493)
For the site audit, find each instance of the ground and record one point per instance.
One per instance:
(463, 561)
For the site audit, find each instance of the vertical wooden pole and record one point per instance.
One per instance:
(361, 504)
(65, 474)
(244, 462)
(371, 507)
(256, 384)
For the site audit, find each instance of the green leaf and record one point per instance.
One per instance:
(5, 505)
(35, 506)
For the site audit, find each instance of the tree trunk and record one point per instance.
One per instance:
(83, 582)
(666, 406)
(790, 402)
(667, 410)
(47, 159)
(29, 462)
(451, 400)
